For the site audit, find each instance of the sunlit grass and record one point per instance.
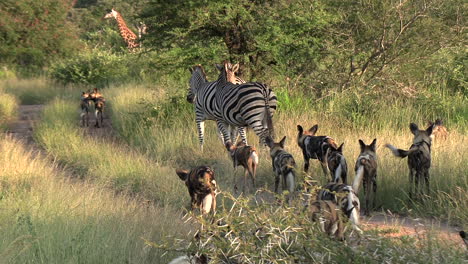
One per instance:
(104, 162)
(46, 217)
(8, 108)
(173, 139)
(38, 90)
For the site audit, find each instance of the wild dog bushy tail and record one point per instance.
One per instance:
(359, 174)
(399, 152)
(290, 178)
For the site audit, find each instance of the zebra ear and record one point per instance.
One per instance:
(235, 68)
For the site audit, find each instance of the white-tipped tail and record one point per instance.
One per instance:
(96, 114)
(207, 203)
(354, 216)
(338, 172)
(290, 182)
(181, 260)
(82, 115)
(358, 178)
(254, 157)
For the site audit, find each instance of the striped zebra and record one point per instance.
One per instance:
(202, 94)
(243, 105)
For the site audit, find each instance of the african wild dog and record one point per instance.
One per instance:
(202, 187)
(99, 103)
(245, 156)
(283, 165)
(346, 198)
(84, 104)
(337, 163)
(366, 169)
(329, 217)
(314, 147)
(439, 130)
(419, 157)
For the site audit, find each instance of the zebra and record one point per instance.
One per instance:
(243, 105)
(202, 94)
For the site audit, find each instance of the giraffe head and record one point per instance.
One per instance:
(112, 14)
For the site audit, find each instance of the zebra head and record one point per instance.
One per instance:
(227, 73)
(196, 80)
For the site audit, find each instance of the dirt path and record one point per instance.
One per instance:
(22, 127)
(397, 226)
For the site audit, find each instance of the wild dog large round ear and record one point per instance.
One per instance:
(373, 145)
(414, 128)
(300, 129)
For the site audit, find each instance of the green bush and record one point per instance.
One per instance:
(97, 68)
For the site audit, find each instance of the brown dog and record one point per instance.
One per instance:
(245, 156)
(202, 187)
(85, 100)
(419, 157)
(99, 103)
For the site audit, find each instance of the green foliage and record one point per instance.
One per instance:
(96, 68)
(33, 33)
(245, 231)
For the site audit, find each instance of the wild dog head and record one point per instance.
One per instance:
(202, 187)
(329, 217)
(439, 130)
(85, 95)
(302, 134)
(421, 136)
(197, 78)
(95, 94)
(337, 163)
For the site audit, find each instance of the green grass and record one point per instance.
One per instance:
(106, 163)
(38, 90)
(173, 139)
(48, 217)
(8, 109)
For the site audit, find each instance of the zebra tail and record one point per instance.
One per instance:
(268, 115)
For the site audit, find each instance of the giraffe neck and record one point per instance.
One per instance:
(128, 35)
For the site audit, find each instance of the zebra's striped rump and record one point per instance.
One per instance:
(244, 105)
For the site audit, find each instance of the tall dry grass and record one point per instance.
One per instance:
(47, 217)
(172, 139)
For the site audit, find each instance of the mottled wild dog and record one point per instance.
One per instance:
(283, 165)
(99, 103)
(337, 163)
(419, 157)
(366, 169)
(84, 104)
(439, 130)
(245, 156)
(202, 187)
(346, 198)
(314, 147)
(328, 215)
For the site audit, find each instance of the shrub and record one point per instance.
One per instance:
(97, 68)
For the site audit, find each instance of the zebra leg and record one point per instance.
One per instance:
(201, 131)
(224, 128)
(241, 131)
(233, 133)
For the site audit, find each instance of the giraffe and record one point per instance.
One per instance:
(128, 36)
